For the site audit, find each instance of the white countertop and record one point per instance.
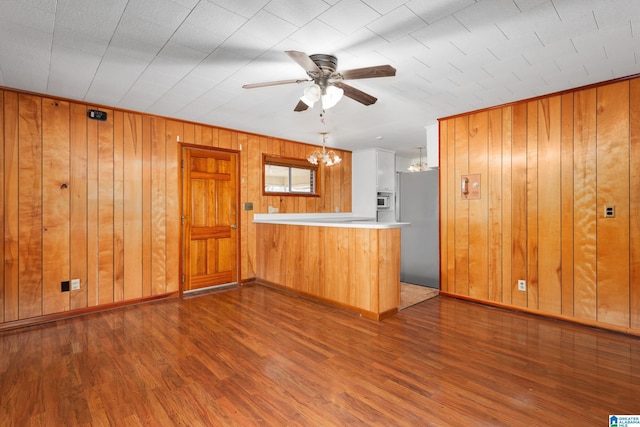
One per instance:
(342, 219)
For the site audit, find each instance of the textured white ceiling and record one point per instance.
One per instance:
(188, 59)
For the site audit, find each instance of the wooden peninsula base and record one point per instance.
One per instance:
(353, 265)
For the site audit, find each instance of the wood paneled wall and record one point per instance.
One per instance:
(99, 201)
(548, 168)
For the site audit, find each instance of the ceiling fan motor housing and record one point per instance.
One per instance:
(327, 63)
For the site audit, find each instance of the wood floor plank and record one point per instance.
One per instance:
(254, 355)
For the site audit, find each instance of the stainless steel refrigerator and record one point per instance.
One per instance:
(417, 203)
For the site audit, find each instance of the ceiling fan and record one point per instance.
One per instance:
(328, 84)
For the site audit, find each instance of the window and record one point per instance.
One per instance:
(289, 176)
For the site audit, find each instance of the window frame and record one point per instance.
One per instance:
(290, 162)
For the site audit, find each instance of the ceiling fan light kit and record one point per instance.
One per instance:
(329, 95)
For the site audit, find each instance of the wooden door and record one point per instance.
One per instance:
(209, 217)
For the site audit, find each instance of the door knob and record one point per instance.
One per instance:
(233, 226)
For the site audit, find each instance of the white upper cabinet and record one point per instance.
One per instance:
(386, 170)
(373, 170)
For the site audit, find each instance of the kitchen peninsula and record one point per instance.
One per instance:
(340, 259)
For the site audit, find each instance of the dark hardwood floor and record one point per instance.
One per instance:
(257, 356)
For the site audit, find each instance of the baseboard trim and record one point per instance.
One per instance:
(595, 325)
(54, 317)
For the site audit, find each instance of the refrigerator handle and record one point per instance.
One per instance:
(397, 198)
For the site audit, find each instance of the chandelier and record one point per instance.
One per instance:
(420, 166)
(329, 158)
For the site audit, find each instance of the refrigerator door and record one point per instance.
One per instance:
(418, 205)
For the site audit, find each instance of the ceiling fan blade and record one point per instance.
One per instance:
(368, 72)
(279, 82)
(304, 61)
(301, 106)
(357, 94)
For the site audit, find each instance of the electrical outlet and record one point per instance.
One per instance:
(522, 285)
(64, 286)
(75, 284)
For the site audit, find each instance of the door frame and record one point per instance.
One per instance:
(186, 146)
